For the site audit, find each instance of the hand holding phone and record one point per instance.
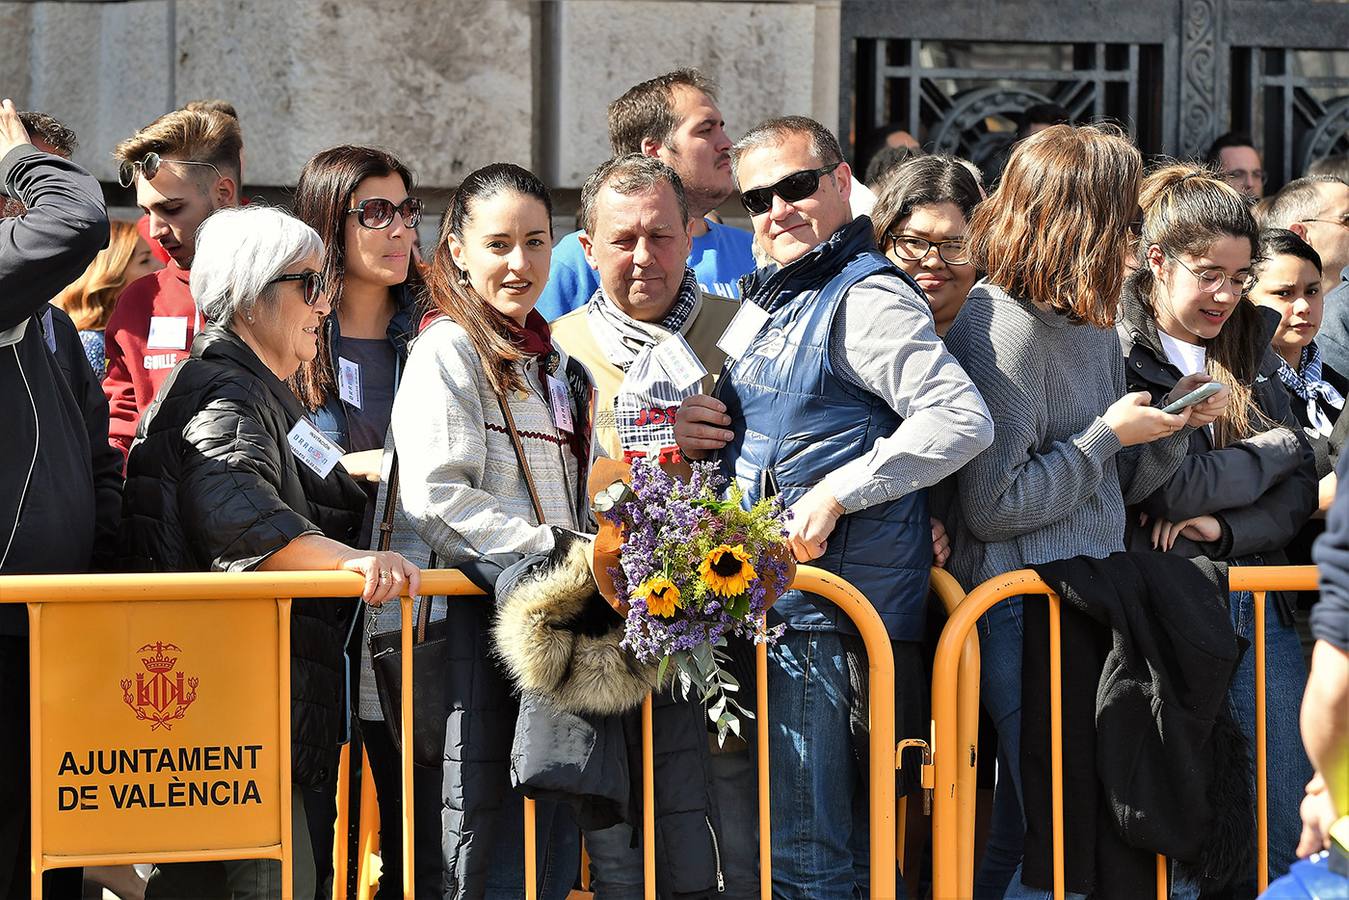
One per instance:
(1198, 395)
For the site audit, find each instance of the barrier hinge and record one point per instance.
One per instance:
(927, 777)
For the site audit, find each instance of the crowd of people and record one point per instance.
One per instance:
(1128, 379)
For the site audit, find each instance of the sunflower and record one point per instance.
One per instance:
(661, 595)
(727, 570)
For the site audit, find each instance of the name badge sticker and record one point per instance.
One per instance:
(167, 333)
(313, 449)
(676, 357)
(349, 381)
(744, 328)
(560, 399)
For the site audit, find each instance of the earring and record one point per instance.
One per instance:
(463, 277)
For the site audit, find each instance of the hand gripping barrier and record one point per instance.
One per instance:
(955, 696)
(145, 614)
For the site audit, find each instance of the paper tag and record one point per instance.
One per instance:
(313, 449)
(742, 331)
(561, 401)
(167, 333)
(676, 357)
(349, 381)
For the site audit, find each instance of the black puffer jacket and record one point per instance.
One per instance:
(212, 486)
(1261, 489)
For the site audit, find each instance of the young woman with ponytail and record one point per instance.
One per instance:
(483, 366)
(1248, 482)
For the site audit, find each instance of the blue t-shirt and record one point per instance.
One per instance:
(718, 259)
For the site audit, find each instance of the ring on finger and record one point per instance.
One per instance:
(385, 576)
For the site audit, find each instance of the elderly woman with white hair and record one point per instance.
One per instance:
(226, 474)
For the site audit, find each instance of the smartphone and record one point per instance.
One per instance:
(1198, 395)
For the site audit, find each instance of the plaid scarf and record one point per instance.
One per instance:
(1305, 382)
(623, 338)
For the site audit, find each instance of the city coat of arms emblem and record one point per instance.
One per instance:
(159, 695)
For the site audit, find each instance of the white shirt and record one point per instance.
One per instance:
(1189, 358)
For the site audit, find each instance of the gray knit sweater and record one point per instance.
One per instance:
(1055, 481)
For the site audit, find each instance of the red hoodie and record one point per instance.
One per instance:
(137, 366)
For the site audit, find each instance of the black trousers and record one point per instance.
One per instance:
(15, 837)
(386, 770)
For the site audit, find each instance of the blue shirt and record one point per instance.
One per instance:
(718, 258)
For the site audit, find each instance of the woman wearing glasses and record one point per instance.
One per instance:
(1248, 483)
(920, 219)
(357, 199)
(228, 475)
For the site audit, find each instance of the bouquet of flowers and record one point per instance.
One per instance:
(688, 569)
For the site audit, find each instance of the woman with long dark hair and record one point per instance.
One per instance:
(482, 375)
(1248, 483)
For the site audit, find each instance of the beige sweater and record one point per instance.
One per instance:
(461, 491)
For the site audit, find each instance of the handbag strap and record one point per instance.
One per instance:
(520, 455)
(423, 613)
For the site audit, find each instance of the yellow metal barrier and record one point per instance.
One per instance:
(955, 693)
(119, 594)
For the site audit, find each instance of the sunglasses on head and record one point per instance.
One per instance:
(378, 212)
(313, 284)
(149, 166)
(796, 186)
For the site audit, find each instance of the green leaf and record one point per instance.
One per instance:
(660, 670)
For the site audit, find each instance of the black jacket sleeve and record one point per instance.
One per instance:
(51, 244)
(105, 461)
(1330, 615)
(229, 498)
(1229, 477)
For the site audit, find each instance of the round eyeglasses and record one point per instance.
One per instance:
(313, 284)
(910, 247)
(148, 166)
(1211, 280)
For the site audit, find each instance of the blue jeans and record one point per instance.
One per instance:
(559, 852)
(1286, 761)
(820, 825)
(616, 865)
(1001, 632)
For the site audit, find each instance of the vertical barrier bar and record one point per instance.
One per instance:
(35, 741)
(1056, 737)
(1162, 891)
(283, 711)
(343, 824)
(1261, 750)
(531, 851)
(949, 591)
(648, 803)
(765, 812)
(405, 736)
(369, 831)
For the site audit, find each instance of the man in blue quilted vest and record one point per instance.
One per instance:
(839, 396)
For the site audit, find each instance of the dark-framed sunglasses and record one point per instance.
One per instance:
(378, 212)
(313, 284)
(795, 187)
(149, 166)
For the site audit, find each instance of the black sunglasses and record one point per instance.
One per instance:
(796, 186)
(313, 284)
(149, 165)
(378, 212)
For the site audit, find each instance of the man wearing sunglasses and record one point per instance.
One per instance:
(845, 402)
(673, 117)
(183, 166)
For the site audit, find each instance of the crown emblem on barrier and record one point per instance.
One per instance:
(159, 695)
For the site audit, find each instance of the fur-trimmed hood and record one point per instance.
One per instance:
(557, 636)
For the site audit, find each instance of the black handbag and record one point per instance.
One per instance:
(430, 656)
(430, 663)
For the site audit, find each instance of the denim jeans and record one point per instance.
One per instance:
(1286, 762)
(820, 826)
(616, 864)
(559, 852)
(1001, 632)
